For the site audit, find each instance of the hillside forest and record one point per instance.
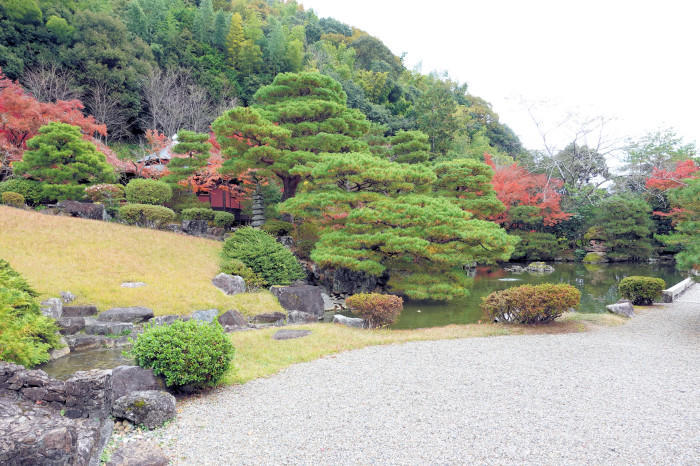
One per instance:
(321, 132)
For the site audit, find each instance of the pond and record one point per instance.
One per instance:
(597, 283)
(63, 368)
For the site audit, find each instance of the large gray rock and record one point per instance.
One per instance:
(60, 352)
(53, 308)
(71, 325)
(80, 342)
(269, 318)
(539, 267)
(348, 321)
(207, 315)
(229, 284)
(304, 298)
(299, 317)
(290, 334)
(80, 311)
(82, 209)
(139, 453)
(93, 327)
(166, 320)
(130, 379)
(233, 319)
(150, 407)
(67, 297)
(195, 227)
(347, 282)
(622, 308)
(133, 314)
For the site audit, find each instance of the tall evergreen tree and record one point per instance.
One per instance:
(410, 147)
(221, 25)
(235, 38)
(196, 146)
(626, 227)
(468, 183)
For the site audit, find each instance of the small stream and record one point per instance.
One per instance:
(107, 358)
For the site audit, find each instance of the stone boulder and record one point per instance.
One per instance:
(150, 407)
(299, 317)
(622, 308)
(79, 311)
(133, 314)
(67, 297)
(195, 227)
(539, 267)
(130, 379)
(229, 284)
(57, 353)
(304, 298)
(52, 307)
(269, 318)
(514, 268)
(346, 282)
(290, 334)
(233, 319)
(82, 209)
(93, 327)
(207, 315)
(166, 320)
(71, 325)
(139, 453)
(348, 321)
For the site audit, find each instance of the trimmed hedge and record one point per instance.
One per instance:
(12, 199)
(198, 213)
(264, 255)
(146, 191)
(192, 353)
(378, 310)
(224, 219)
(31, 190)
(109, 194)
(641, 290)
(26, 335)
(236, 267)
(530, 304)
(277, 227)
(146, 215)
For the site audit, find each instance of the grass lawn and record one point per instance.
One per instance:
(258, 355)
(92, 259)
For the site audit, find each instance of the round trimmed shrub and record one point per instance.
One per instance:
(12, 199)
(531, 304)
(31, 190)
(192, 353)
(109, 194)
(146, 191)
(277, 227)
(641, 290)
(198, 213)
(593, 258)
(378, 310)
(224, 219)
(146, 215)
(264, 255)
(236, 267)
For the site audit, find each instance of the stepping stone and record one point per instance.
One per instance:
(290, 334)
(133, 284)
(108, 328)
(133, 314)
(269, 317)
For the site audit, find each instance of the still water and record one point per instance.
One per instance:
(597, 283)
(64, 367)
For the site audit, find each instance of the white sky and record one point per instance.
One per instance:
(634, 61)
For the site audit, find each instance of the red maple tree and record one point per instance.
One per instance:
(515, 186)
(663, 180)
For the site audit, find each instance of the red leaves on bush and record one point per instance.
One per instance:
(530, 304)
(664, 180)
(379, 310)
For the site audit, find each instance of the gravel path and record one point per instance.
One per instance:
(628, 394)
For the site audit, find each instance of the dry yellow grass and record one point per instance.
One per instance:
(258, 355)
(91, 259)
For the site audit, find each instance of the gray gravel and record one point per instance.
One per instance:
(622, 395)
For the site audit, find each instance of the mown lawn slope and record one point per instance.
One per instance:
(92, 259)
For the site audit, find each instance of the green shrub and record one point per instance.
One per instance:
(193, 353)
(31, 190)
(264, 255)
(535, 246)
(145, 191)
(236, 267)
(378, 310)
(12, 199)
(26, 336)
(224, 219)
(641, 290)
(305, 238)
(108, 194)
(593, 258)
(198, 213)
(145, 215)
(277, 227)
(531, 304)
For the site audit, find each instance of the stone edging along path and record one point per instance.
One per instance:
(620, 395)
